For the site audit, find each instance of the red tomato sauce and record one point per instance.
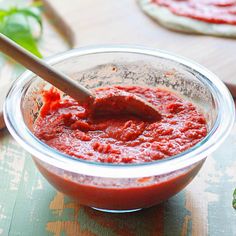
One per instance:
(66, 125)
(123, 195)
(210, 11)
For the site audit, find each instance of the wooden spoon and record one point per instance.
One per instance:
(131, 103)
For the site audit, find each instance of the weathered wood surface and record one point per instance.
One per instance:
(30, 206)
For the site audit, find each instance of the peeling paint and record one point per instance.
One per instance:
(39, 185)
(69, 227)
(14, 161)
(221, 216)
(57, 204)
(2, 213)
(26, 176)
(185, 227)
(231, 172)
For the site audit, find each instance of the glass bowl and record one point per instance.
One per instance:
(127, 187)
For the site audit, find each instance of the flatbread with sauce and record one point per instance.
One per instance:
(210, 17)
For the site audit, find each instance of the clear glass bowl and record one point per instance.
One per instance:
(113, 187)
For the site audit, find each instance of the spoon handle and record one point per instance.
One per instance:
(45, 71)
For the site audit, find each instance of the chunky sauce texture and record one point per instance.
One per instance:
(211, 11)
(67, 126)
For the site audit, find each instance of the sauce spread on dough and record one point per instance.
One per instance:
(67, 126)
(211, 11)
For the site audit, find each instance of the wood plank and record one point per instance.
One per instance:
(3, 91)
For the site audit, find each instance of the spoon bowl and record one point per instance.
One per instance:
(120, 102)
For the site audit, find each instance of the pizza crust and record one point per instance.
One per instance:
(184, 24)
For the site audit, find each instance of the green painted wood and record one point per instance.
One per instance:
(30, 206)
(222, 185)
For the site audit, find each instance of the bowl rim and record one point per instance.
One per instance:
(223, 123)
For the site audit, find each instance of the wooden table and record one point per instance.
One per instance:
(30, 206)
